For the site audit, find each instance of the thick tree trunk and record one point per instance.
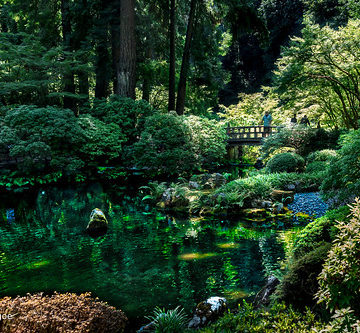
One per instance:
(126, 71)
(69, 84)
(171, 104)
(180, 102)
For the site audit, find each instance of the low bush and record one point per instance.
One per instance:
(300, 283)
(241, 192)
(67, 313)
(339, 280)
(285, 162)
(279, 318)
(321, 155)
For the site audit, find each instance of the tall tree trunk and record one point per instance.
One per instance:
(69, 84)
(102, 70)
(126, 74)
(180, 102)
(115, 41)
(79, 43)
(171, 104)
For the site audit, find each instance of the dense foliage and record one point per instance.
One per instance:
(176, 145)
(342, 181)
(339, 279)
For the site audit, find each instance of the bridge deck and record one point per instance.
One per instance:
(249, 135)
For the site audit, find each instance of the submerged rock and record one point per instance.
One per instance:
(262, 298)
(208, 311)
(98, 223)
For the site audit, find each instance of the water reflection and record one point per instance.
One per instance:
(145, 260)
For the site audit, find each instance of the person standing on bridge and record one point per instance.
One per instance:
(266, 120)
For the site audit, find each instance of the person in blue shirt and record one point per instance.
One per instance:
(266, 120)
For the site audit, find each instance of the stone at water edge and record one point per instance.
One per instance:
(262, 298)
(208, 311)
(285, 197)
(98, 222)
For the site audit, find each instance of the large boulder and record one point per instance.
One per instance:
(208, 311)
(98, 223)
(262, 298)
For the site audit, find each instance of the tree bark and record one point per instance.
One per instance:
(69, 84)
(102, 53)
(171, 104)
(115, 41)
(181, 95)
(126, 71)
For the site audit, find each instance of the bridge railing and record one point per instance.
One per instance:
(250, 133)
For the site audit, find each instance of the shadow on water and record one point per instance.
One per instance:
(144, 260)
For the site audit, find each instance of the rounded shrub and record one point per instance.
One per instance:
(60, 313)
(285, 162)
(321, 155)
(317, 166)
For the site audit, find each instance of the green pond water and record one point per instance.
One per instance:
(145, 259)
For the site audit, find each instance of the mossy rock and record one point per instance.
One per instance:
(254, 212)
(98, 223)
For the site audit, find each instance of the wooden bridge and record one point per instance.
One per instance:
(249, 135)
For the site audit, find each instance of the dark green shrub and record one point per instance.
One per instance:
(300, 283)
(41, 136)
(339, 281)
(285, 162)
(318, 231)
(34, 134)
(342, 181)
(165, 146)
(324, 155)
(170, 144)
(128, 114)
(316, 167)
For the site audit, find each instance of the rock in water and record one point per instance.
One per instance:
(208, 311)
(263, 296)
(98, 223)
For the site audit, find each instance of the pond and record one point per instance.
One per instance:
(145, 260)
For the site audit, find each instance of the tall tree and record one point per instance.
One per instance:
(126, 69)
(180, 102)
(69, 83)
(172, 56)
(102, 68)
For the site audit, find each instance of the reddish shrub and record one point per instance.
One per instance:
(65, 313)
